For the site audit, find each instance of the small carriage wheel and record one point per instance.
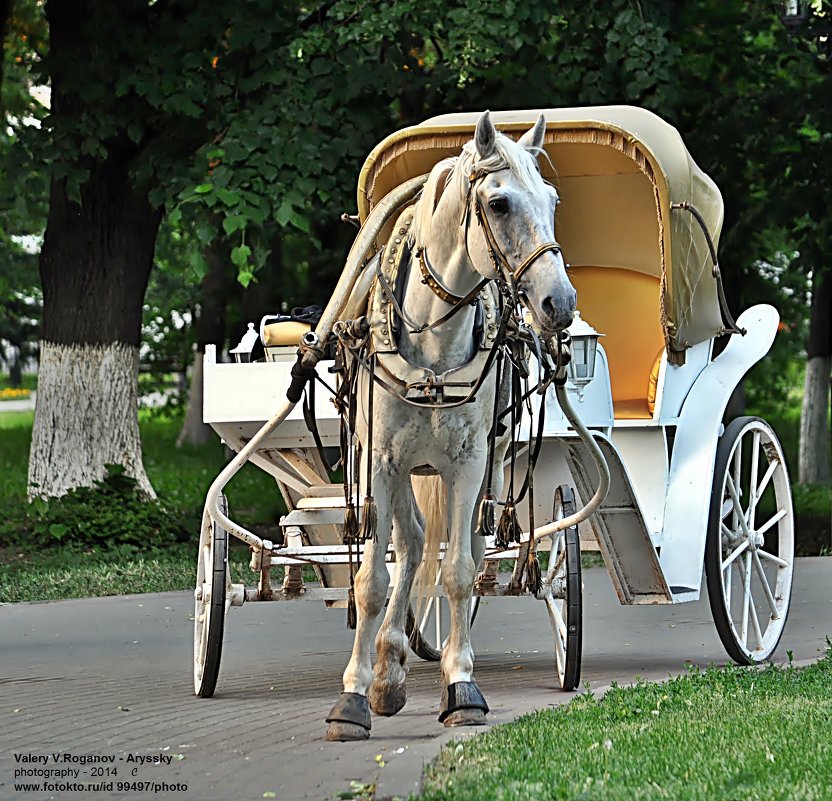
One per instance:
(212, 578)
(429, 637)
(749, 553)
(563, 593)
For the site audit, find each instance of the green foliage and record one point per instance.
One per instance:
(111, 513)
(181, 477)
(813, 519)
(686, 739)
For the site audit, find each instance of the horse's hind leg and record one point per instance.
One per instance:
(388, 693)
(349, 719)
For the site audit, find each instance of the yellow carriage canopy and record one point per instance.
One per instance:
(618, 170)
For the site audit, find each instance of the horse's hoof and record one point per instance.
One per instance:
(462, 700)
(349, 719)
(340, 732)
(466, 717)
(389, 700)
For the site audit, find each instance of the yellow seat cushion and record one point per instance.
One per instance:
(286, 332)
(653, 382)
(624, 305)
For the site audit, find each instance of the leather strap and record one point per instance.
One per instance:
(432, 281)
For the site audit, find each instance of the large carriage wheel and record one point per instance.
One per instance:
(563, 592)
(428, 638)
(212, 580)
(749, 554)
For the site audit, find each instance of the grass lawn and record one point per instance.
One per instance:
(719, 735)
(74, 572)
(181, 477)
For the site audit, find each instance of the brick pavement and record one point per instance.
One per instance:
(112, 676)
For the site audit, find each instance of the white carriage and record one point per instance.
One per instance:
(639, 225)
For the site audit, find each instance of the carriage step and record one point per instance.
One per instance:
(325, 491)
(623, 539)
(315, 516)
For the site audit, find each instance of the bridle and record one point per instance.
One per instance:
(507, 277)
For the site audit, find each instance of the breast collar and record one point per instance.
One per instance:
(418, 383)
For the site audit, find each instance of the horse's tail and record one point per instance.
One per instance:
(432, 499)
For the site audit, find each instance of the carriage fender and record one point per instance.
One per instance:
(698, 430)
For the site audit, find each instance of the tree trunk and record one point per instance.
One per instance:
(16, 368)
(210, 330)
(94, 266)
(814, 467)
(5, 13)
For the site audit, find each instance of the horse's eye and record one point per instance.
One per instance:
(499, 205)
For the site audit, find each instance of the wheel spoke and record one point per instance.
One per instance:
(726, 586)
(755, 624)
(558, 617)
(560, 632)
(738, 513)
(758, 565)
(735, 483)
(752, 484)
(426, 615)
(746, 600)
(766, 478)
(735, 553)
(769, 523)
(772, 558)
(437, 620)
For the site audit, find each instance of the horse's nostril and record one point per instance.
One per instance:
(559, 310)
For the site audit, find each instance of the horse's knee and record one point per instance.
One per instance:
(458, 581)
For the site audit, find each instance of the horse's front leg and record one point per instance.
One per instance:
(388, 693)
(462, 702)
(349, 719)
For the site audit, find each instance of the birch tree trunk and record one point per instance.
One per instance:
(813, 464)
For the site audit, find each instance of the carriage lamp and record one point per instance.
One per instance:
(581, 367)
(242, 353)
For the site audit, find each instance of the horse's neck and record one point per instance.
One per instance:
(450, 344)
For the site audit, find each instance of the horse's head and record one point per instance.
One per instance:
(516, 211)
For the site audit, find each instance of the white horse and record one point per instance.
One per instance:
(485, 215)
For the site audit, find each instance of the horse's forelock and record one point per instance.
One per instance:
(507, 154)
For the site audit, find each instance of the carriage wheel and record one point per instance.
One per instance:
(749, 554)
(212, 581)
(429, 637)
(563, 590)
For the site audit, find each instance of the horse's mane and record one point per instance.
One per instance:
(453, 173)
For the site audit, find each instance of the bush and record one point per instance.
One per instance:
(110, 514)
(813, 519)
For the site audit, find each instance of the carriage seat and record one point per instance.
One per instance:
(281, 336)
(623, 304)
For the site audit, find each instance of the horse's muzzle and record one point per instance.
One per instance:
(558, 310)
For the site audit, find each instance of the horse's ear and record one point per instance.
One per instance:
(485, 136)
(532, 140)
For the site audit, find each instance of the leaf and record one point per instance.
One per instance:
(228, 197)
(239, 255)
(134, 132)
(245, 277)
(236, 222)
(203, 189)
(58, 530)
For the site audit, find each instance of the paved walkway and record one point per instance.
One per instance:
(111, 677)
(23, 405)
